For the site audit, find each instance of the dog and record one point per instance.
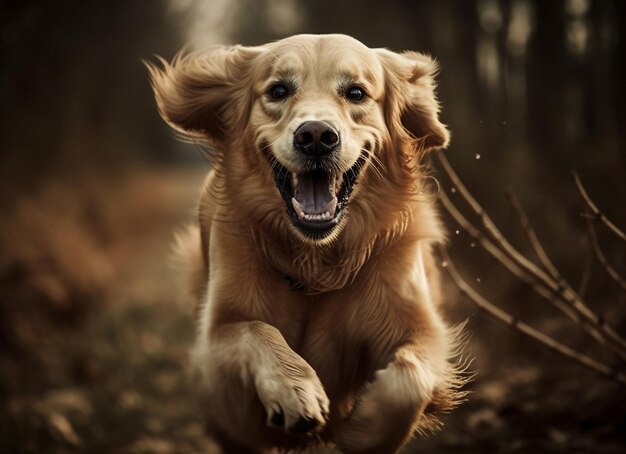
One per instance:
(318, 297)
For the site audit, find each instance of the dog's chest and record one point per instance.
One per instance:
(333, 342)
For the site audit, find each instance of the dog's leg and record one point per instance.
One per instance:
(248, 362)
(288, 387)
(388, 408)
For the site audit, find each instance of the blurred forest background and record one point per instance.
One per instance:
(93, 331)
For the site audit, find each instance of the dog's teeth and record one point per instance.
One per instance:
(331, 206)
(315, 217)
(297, 206)
(294, 179)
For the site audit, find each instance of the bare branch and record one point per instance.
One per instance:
(595, 245)
(524, 328)
(561, 290)
(520, 273)
(586, 275)
(494, 250)
(597, 214)
(531, 235)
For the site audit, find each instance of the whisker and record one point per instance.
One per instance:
(271, 144)
(377, 165)
(285, 179)
(377, 159)
(273, 166)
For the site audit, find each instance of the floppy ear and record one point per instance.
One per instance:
(410, 102)
(201, 94)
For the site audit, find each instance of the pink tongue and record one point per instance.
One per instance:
(312, 192)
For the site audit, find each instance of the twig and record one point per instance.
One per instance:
(603, 332)
(526, 329)
(492, 249)
(595, 245)
(531, 235)
(520, 273)
(586, 274)
(597, 214)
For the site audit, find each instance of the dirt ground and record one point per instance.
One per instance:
(95, 335)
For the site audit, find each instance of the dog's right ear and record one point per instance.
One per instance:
(202, 94)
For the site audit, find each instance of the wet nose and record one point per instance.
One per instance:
(315, 138)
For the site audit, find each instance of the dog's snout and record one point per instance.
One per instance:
(315, 138)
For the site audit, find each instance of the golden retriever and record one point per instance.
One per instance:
(317, 288)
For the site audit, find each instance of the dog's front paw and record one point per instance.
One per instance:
(294, 400)
(366, 426)
(385, 411)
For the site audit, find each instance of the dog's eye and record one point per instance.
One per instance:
(355, 94)
(279, 91)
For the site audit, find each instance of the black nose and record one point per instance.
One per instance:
(315, 138)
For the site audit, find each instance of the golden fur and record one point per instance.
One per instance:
(335, 339)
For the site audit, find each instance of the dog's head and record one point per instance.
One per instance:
(317, 114)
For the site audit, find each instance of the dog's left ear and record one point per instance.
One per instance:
(410, 101)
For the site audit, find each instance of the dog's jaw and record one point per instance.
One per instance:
(316, 200)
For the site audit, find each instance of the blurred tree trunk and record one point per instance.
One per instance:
(75, 96)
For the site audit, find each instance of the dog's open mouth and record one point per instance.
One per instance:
(316, 199)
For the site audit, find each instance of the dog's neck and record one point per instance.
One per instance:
(317, 269)
(308, 268)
